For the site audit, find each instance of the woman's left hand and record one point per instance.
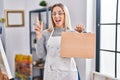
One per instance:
(79, 28)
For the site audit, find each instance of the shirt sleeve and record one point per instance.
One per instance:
(41, 47)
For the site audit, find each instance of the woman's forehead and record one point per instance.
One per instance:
(57, 8)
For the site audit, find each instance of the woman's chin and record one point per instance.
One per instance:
(59, 26)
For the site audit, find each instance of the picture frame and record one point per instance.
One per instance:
(4, 66)
(14, 18)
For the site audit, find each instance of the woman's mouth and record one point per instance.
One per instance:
(57, 21)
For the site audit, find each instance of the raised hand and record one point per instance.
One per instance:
(79, 28)
(38, 28)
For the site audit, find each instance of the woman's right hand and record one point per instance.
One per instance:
(38, 28)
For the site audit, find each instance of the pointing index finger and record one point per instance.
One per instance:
(37, 20)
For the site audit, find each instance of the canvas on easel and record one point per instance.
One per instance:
(4, 66)
(78, 45)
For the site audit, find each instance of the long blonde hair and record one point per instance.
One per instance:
(67, 23)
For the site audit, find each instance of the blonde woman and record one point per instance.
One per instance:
(48, 44)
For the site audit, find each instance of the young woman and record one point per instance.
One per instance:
(48, 44)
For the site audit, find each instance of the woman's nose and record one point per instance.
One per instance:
(57, 15)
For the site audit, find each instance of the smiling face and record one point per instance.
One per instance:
(58, 17)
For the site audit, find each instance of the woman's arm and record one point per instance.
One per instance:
(40, 48)
(41, 45)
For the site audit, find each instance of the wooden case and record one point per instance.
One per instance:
(78, 45)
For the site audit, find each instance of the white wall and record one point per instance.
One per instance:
(16, 38)
(1, 8)
(91, 16)
(1, 13)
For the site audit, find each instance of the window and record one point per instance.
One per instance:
(108, 37)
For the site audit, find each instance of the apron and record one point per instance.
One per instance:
(57, 67)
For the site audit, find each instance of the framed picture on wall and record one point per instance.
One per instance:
(14, 18)
(4, 66)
